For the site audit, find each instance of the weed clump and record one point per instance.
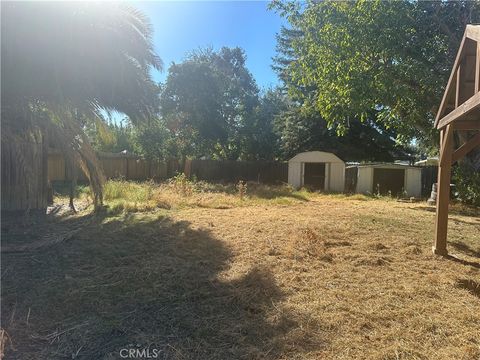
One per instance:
(182, 184)
(242, 189)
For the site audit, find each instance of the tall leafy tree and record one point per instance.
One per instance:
(151, 139)
(113, 136)
(154, 141)
(261, 141)
(347, 59)
(61, 63)
(300, 130)
(209, 99)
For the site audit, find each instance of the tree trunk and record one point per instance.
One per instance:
(24, 171)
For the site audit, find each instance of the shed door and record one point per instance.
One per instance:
(314, 176)
(388, 181)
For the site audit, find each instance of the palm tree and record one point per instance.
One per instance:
(63, 63)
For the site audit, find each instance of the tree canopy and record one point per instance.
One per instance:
(64, 62)
(209, 99)
(85, 55)
(347, 59)
(301, 130)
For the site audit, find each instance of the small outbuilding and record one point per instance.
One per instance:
(385, 179)
(317, 170)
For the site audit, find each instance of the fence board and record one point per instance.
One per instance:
(115, 166)
(24, 162)
(56, 167)
(268, 172)
(135, 168)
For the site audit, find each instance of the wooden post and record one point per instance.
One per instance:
(458, 87)
(477, 69)
(443, 191)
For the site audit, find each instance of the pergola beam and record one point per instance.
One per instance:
(458, 86)
(477, 69)
(462, 110)
(466, 148)
(473, 32)
(443, 104)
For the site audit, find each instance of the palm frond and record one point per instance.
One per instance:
(78, 53)
(61, 60)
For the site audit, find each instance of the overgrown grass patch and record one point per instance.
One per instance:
(329, 277)
(128, 190)
(180, 192)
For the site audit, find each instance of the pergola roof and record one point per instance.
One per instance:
(461, 100)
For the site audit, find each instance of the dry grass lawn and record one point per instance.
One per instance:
(307, 277)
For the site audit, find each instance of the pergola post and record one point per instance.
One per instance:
(443, 191)
(459, 111)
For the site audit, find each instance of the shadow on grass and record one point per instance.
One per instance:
(465, 248)
(62, 188)
(273, 193)
(23, 232)
(462, 261)
(471, 286)
(453, 210)
(141, 282)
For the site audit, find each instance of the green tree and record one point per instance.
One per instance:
(150, 139)
(300, 129)
(208, 100)
(61, 63)
(111, 136)
(467, 183)
(260, 141)
(154, 141)
(347, 59)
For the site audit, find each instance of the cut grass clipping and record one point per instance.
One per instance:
(278, 275)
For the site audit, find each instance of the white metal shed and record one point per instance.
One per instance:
(394, 179)
(318, 170)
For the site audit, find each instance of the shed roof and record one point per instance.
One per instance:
(316, 156)
(431, 161)
(385, 165)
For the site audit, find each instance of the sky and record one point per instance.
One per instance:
(183, 26)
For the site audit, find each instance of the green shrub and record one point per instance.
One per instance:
(182, 184)
(467, 181)
(128, 190)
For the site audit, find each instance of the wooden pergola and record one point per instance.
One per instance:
(459, 111)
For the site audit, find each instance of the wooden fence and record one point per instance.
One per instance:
(268, 172)
(131, 167)
(24, 160)
(126, 166)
